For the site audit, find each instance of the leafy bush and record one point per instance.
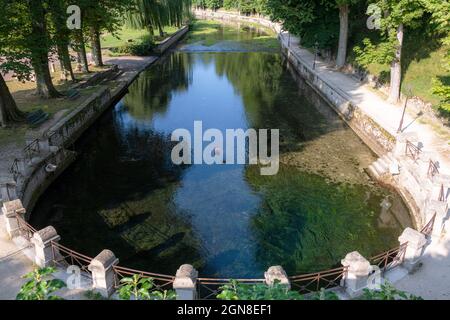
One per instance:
(143, 47)
(388, 292)
(140, 288)
(239, 291)
(40, 287)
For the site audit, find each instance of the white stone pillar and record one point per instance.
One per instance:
(185, 283)
(415, 244)
(276, 273)
(103, 275)
(42, 241)
(358, 270)
(10, 210)
(440, 209)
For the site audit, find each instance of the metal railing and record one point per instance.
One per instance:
(161, 282)
(432, 169)
(14, 169)
(390, 259)
(65, 257)
(313, 282)
(442, 194)
(428, 228)
(32, 149)
(26, 230)
(412, 151)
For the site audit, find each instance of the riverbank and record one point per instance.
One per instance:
(376, 122)
(14, 260)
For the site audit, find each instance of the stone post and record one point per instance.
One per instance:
(358, 271)
(276, 273)
(103, 275)
(42, 241)
(12, 209)
(185, 283)
(414, 249)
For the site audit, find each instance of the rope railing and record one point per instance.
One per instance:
(390, 259)
(412, 151)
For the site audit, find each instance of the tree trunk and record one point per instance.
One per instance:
(9, 113)
(96, 47)
(343, 35)
(61, 36)
(66, 64)
(396, 69)
(81, 51)
(161, 30)
(39, 51)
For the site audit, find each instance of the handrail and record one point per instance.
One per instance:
(14, 169)
(313, 282)
(428, 228)
(391, 258)
(442, 194)
(412, 150)
(432, 169)
(32, 148)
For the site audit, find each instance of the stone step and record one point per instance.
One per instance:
(384, 162)
(378, 168)
(372, 172)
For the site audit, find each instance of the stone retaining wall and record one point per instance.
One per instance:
(173, 39)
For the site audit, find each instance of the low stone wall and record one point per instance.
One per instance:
(46, 157)
(173, 39)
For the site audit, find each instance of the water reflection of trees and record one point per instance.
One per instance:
(153, 90)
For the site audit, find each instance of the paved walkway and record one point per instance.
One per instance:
(385, 114)
(432, 279)
(14, 262)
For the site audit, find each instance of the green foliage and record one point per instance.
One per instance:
(143, 47)
(142, 288)
(40, 287)
(239, 291)
(388, 292)
(442, 90)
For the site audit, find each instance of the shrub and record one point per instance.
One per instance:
(143, 47)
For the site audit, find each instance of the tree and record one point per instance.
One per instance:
(344, 9)
(9, 113)
(11, 59)
(61, 36)
(155, 14)
(399, 14)
(38, 42)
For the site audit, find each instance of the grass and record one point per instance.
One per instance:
(418, 74)
(126, 35)
(27, 100)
